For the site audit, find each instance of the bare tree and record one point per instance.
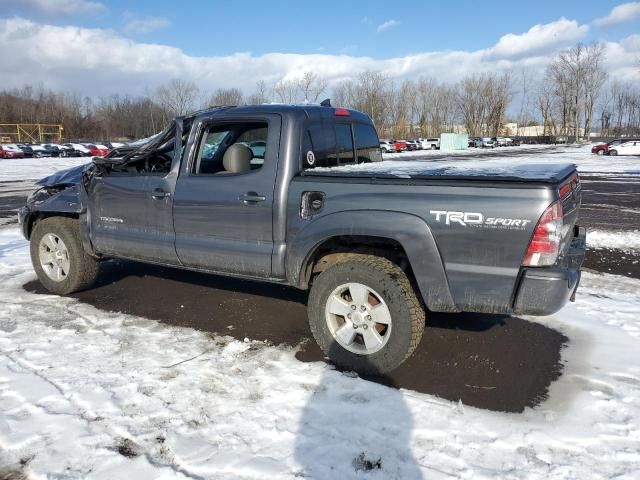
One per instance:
(178, 96)
(227, 96)
(261, 95)
(483, 100)
(311, 85)
(286, 91)
(594, 77)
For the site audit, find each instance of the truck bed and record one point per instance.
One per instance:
(475, 171)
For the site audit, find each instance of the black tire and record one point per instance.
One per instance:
(613, 152)
(83, 269)
(433, 147)
(407, 314)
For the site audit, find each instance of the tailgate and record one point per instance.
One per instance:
(570, 193)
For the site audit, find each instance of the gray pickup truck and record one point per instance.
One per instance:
(275, 193)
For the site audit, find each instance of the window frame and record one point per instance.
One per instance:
(202, 130)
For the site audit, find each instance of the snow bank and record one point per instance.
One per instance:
(90, 394)
(627, 241)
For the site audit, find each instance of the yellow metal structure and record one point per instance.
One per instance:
(32, 132)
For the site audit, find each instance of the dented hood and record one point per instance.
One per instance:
(69, 176)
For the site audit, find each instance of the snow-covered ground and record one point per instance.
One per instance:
(626, 241)
(90, 394)
(578, 154)
(30, 169)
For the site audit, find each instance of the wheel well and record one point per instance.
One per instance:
(38, 216)
(336, 249)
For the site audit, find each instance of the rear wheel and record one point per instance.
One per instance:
(365, 315)
(57, 255)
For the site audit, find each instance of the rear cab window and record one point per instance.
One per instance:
(332, 143)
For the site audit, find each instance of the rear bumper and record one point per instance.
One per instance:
(543, 291)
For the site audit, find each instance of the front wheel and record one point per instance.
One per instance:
(365, 315)
(600, 152)
(57, 255)
(613, 152)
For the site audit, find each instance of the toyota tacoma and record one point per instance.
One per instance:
(276, 193)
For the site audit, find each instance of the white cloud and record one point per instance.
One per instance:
(146, 25)
(99, 62)
(366, 21)
(538, 39)
(55, 7)
(631, 43)
(625, 12)
(387, 25)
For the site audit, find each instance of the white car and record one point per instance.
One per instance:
(78, 147)
(429, 143)
(631, 147)
(387, 146)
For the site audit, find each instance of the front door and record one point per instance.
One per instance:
(130, 204)
(223, 204)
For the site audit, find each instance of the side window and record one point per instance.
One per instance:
(367, 146)
(318, 147)
(344, 140)
(231, 148)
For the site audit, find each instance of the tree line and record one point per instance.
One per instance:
(574, 97)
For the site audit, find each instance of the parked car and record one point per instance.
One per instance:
(401, 145)
(603, 148)
(10, 150)
(501, 141)
(54, 150)
(78, 149)
(429, 143)
(387, 146)
(628, 147)
(113, 145)
(39, 151)
(487, 142)
(475, 142)
(26, 149)
(375, 256)
(413, 145)
(96, 150)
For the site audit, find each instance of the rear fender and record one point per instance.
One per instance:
(410, 231)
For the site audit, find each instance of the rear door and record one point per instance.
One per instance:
(223, 218)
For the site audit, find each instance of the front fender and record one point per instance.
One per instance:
(408, 230)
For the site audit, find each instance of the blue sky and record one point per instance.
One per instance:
(100, 47)
(217, 27)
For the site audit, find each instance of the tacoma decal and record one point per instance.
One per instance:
(476, 219)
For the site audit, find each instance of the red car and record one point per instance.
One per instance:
(401, 145)
(603, 148)
(10, 150)
(97, 150)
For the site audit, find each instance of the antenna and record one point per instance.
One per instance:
(326, 102)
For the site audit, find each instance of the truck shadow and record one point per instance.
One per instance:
(494, 362)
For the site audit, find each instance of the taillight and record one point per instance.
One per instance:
(569, 185)
(341, 112)
(544, 246)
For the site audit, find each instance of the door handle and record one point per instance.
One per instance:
(251, 197)
(158, 193)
